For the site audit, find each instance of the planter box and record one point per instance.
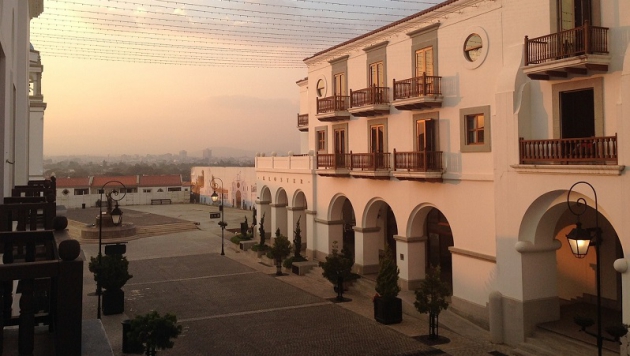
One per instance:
(302, 268)
(247, 244)
(113, 301)
(388, 311)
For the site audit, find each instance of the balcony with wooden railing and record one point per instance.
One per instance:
(370, 101)
(418, 165)
(302, 122)
(418, 92)
(576, 51)
(569, 151)
(362, 165)
(333, 108)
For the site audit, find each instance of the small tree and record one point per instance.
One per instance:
(261, 230)
(387, 279)
(154, 331)
(431, 298)
(280, 250)
(337, 269)
(297, 240)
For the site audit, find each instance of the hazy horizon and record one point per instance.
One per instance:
(155, 76)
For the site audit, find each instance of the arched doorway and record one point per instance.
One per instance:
(377, 235)
(298, 213)
(265, 209)
(554, 280)
(279, 213)
(349, 222)
(439, 239)
(238, 199)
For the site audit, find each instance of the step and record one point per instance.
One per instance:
(548, 343)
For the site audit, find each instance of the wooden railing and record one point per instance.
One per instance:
(333, 161)
(418, 161)
(333, 103)
(351, 161)
(417, 86)
(302, 120)
(51, 288)
(369, 96)
(585, 39)
(590, 150)
(374, 161)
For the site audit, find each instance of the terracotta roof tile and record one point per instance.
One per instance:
(128, 181)
(82, 182)
(161, 181)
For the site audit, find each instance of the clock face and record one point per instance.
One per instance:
(472, 47)
(321, 88)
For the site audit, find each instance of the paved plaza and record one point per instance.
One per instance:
(234, 305)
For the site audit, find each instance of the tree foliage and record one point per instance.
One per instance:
(154, 331)
(387, 279)
(432, 295)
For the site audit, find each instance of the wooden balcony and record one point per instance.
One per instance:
(333, 164)
(418, 166)
(576, 51)
(333, 108)
(360, 165)
(575, 151)
(372, 101)
(302, 122)
(418, 93)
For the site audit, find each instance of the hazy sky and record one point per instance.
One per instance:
(160, 76)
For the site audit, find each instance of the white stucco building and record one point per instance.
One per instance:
(454, 136)
(15, 55)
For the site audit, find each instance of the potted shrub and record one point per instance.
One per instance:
(387, 305)
(112, 273)
(280, 250)
(154, 332)
(337, 269)
(431, 298)
(297, 247)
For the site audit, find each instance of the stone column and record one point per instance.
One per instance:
(367, 243)
(328, 232)
(278, 218)
(293, 214)
(411, 261)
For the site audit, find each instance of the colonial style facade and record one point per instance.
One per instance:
(453, 137)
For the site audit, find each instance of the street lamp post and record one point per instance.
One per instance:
(222, 223)
(116, 216)
(579, 240)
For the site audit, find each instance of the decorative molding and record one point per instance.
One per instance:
(278, 205)
(336, 60)
(297, 208)
(261, 202)
(596, 169)
(376, 46)
(410, 239)
(472, 254)
(329, 222)
(424, 30)
(366, 229)
(527, 246)
(311, 212)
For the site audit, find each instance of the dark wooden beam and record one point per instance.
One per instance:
(597, 67)
(577, 70)
(538, 76)
(557, 73)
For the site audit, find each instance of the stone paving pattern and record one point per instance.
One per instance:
(233, 305)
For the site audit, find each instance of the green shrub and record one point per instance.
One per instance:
(115, 271)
